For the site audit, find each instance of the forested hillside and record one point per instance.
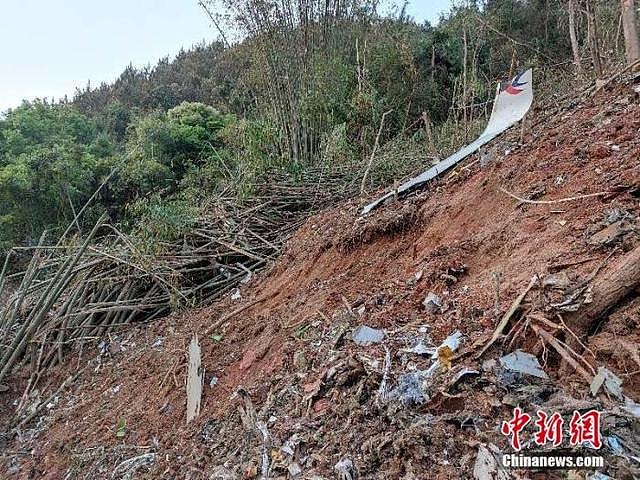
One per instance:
(301, 88)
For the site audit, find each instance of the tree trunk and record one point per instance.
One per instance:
(433, 61)
(573, 36)
(631, 42)
(619, 279)
(592, 36)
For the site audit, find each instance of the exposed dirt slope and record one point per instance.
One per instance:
(288, 353)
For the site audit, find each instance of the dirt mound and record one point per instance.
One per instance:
(286, 385)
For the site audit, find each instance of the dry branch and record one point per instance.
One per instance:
(507, 316)
(559, 200)
(564, 353)
(373, 152)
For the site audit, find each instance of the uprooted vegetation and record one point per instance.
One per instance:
(288, 390)
(82, 288)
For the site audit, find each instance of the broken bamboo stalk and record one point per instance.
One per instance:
(195, 379)
(551, 202)
(566, 356)
(70, 292)
(507, 316)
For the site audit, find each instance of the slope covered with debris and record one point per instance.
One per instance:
(380, 347)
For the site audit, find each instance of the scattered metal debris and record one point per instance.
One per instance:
(613, 443)
(453, 341)
(165, 408)
(617, 214)
(290, 445)
(410, 388)
(612, 383)
(522, 362)
(419, 349)
(611, 233)
(558, 281)
(632, 407)
(486, 466)
(382, 390)
(222, 473)
(266, 444)
(364, 335)
(127, 469)
(432, 302)
(465, 372)
(346, 470)
(294, 469)
(574, 299)
(598, 476)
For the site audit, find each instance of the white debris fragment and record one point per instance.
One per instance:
(262, 428)
(432, 302)
(463, 373)
(195, 379)
(598, 476)
(453, 341)
(611, 382)
(344, 469)
(419, 349)
(508, 109)
(364, 335)
(294, 469)
(522, 362)
(486, 466)
(632, 407)
(411, 389)
(127, 469)
(290, 445)
(52, 403)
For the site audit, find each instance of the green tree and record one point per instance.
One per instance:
(51, 160)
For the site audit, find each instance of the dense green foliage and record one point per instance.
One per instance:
(51, 159)
(298, 92)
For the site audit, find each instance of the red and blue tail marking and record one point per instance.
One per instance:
(514, 87)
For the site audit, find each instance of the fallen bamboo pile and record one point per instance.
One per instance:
(80, 289)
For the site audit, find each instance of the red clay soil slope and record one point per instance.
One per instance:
(289, 394)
